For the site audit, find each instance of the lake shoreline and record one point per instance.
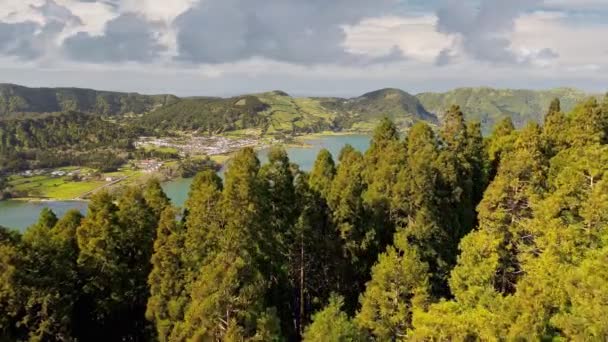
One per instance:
(298, 141)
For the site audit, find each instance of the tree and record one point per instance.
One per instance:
(167, 279)
(491, 253)
(116, 244)
(203, 221)
(48, 277)
(332, 324)
(228, 296)
(316, 263)
(322, 173)
(500, 142)
(555, 129)
(349, 218)
(587, 124)
(399, 283)
(155, 197)
(10, 291)
(280, 209)
(383, 160)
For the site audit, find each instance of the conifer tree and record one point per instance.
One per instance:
(116, 243)
(333, 324)
(203, 222)
(167, 279)
(383, 160)
(322, 173)
(349, 218)
(11, 298)
(155, 197)
(399, 283)
(228, 296)
(316, 263)
(555, 129)
(500, 142)
(48, 278)
(492, 252)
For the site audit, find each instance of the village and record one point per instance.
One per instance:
(192, 145)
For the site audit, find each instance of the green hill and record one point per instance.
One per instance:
(277, 112)
(489, 105)
(17, 101)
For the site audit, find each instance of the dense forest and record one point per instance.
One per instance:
(440, 235)
(17, 101)
(61, 139)
(277, 111)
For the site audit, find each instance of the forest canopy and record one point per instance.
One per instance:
(438, 235)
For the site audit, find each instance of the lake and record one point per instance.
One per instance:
(21, 214)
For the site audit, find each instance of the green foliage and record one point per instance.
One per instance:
(333, 324)
(399, 283)
(252, 257)
(322, 174)
(489, 106)
(167, 279)
(15, 99)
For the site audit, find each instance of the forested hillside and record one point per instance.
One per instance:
(277, 112)
(17, 101)
(62, 139)
(489, 106)
(440, 235)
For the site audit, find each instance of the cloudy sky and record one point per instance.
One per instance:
(305, 47)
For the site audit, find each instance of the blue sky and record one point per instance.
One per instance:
(313, 47)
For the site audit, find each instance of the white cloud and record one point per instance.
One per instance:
(417, 37)
(576, 44)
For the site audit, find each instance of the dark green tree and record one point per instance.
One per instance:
(322, 173)
(167, 279)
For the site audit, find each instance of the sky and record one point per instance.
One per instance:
(304, 47)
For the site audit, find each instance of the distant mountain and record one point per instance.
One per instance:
(396, 104)
(278, 112)
(489, 105)
(17, 101)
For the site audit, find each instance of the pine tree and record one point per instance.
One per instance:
(500, 142)
(492, 252)
(47, 277)
(203, 222)
(168, 295)
(333, 324)
(155, 197)
(383, 160)
(228, 296)
(555, 129)
(323, 173)
(116, 243)
(316, 263)
(399, 283)
(349, 218)
(11, 298)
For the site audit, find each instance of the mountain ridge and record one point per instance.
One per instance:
(277, 112)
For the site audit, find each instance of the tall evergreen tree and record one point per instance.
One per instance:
(555, 129)
(322, 173)
(116, 243)
(333, 324)
(167, 279)
(316, 262)
(228, 297)
(399, 283)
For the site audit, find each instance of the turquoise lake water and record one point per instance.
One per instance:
(19, 214)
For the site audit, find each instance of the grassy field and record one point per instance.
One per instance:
(47, 187)
(63, 188)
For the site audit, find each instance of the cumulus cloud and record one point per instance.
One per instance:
(126, 38)
(294, 31)
(485, 30)
(32, 38)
